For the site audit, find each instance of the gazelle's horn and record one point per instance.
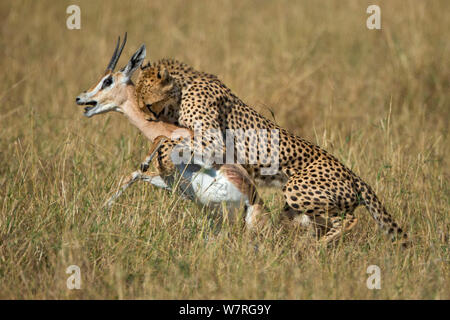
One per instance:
(116, 55)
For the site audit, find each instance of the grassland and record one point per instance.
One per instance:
(377, 99)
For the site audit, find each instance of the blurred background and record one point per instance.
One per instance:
(377, 99)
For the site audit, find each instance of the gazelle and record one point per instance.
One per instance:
(229, 184)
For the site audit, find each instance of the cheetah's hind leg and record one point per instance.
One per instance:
(320, 225)
(315, 226)
(340, 226)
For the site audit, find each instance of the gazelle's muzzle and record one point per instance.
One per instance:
(92, 105)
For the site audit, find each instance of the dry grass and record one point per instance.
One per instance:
(378, 100)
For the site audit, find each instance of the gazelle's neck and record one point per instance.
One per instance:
(151, 129)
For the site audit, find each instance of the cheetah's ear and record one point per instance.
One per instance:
(163, 74)
(146, 65)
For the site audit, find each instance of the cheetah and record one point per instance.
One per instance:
(313, 181)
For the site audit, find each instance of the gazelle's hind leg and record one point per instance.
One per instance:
(256, 216)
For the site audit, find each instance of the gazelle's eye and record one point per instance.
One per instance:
(107, 82)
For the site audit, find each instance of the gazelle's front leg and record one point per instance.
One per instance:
(132, 178)
(154, 179)
(138, 175)
(151, 154)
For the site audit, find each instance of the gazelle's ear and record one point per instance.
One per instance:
(135, 62)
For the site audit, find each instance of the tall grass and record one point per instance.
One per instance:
(377, 99)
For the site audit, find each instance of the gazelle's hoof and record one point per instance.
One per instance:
(108, 204)
(144, 166)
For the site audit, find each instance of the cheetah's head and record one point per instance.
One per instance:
(155, 90)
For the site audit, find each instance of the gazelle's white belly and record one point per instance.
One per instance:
(209, 187)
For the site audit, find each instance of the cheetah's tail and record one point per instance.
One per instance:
(385, 221)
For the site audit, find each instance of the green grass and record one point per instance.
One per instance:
(378, 100)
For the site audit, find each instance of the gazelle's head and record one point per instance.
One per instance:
(112, 90)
